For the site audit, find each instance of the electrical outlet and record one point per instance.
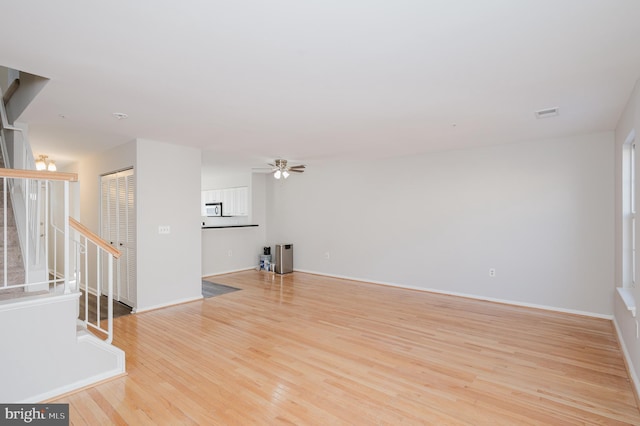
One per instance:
(229, 253)
(327, 255)
(166, 229)
(492, 272)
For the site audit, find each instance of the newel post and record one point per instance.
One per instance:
(67, 238)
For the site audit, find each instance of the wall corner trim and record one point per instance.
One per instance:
(627, 359)
(166, 305)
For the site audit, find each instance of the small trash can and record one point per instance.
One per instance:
(284, 258)
(265, 262)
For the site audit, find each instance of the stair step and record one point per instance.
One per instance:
(13, 278)
(15, 263)
(11, 293)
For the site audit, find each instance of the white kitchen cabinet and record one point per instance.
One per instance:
(235, 201)
(210, 196)
(242, 201)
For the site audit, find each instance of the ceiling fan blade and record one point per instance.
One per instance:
(281, 165)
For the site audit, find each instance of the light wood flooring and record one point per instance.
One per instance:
(310, 350)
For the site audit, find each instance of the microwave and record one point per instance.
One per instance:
(213, 209)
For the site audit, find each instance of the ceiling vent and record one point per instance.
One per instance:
(548, 112)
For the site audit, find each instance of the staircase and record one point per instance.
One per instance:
(48, 349)
(15, 264)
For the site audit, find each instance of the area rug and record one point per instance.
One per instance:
(210, 289)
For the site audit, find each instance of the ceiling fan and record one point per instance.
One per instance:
(280, 169)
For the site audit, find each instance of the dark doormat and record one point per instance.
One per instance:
(210, 289)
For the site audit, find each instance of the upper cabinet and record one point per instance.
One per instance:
(211, 196)
(235, 201)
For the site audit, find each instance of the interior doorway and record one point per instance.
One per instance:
(118, 227)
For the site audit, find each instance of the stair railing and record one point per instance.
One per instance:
(45, 236)
(17, 154)
(76, 259)
(87, 246)
(38, 185)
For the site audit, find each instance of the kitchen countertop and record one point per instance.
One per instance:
(228, 226)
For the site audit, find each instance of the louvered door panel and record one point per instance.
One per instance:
(126, 236)
(108, 225)
(118, 227)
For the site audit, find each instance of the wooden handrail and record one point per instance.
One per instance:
(37, 174)
(87, 233)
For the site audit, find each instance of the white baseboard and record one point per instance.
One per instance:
(627, 358)
(213, 274)
(166, 305)
(91, 291)
(469, 296)
(73, 386)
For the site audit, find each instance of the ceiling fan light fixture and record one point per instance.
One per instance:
(281, 169)
(52, 166)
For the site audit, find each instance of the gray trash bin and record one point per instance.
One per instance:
(284, 258)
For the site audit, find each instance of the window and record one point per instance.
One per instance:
(629, 275)
(632, 215)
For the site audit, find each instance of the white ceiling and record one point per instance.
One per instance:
(308, 80)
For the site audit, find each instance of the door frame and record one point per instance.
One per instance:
(118, 291)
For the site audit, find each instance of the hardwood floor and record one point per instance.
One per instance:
(311, 350)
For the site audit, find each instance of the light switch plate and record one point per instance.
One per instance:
(166, 229)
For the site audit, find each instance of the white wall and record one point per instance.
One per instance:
(42, 356)
(630, 120)
(541, 213)
(89, 170)
(4, 79)
(168, 191)
(226, 179)
(245, 244)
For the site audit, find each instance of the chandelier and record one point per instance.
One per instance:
(43, 163)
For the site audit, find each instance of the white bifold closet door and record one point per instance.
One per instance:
(118, 224)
